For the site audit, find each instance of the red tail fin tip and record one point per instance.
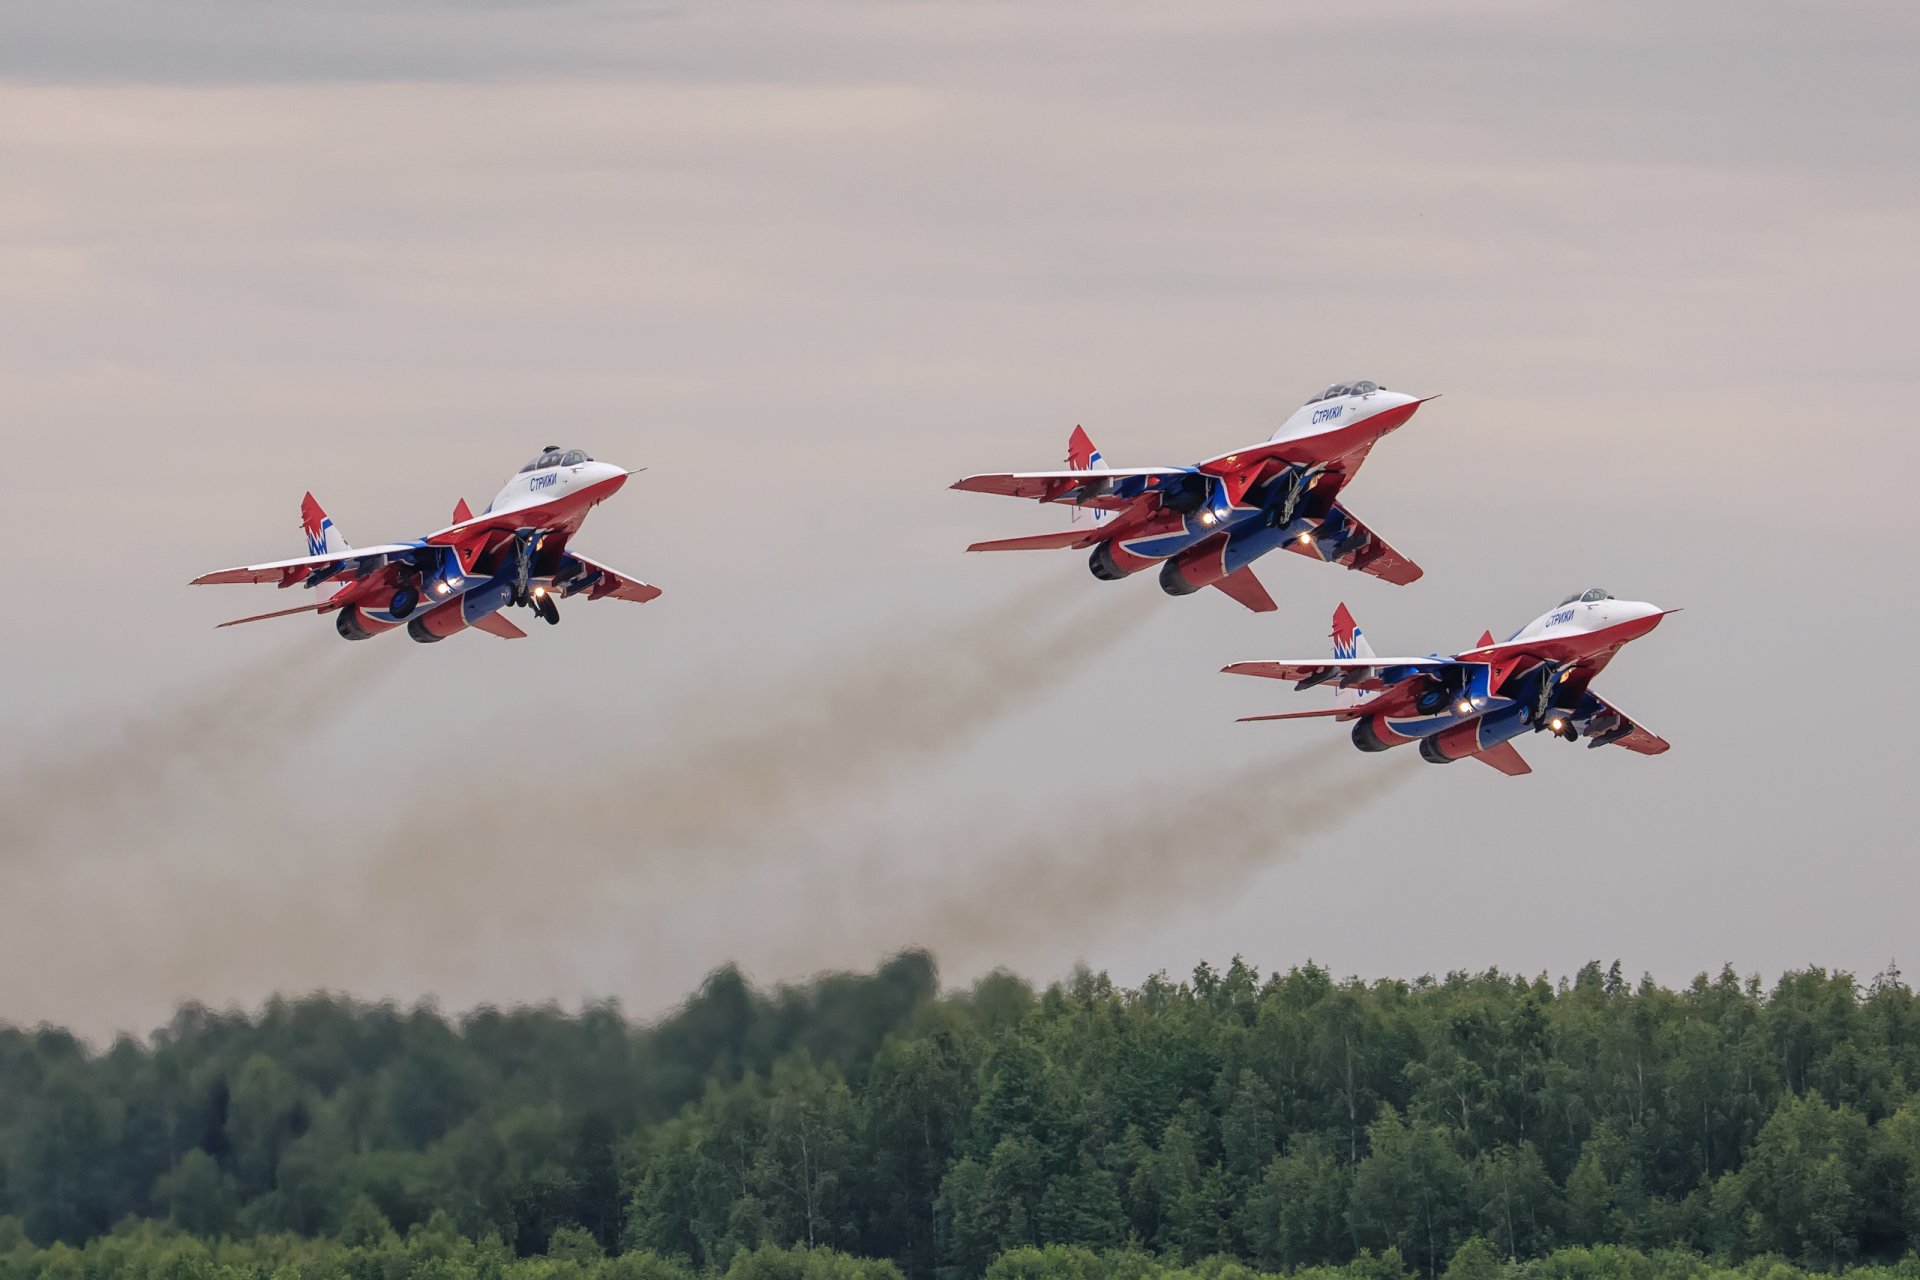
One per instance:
(1080, 451)
(1343, 627)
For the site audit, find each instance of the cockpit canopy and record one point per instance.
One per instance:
(554, 456)
(1338, 389)
(1588, 596)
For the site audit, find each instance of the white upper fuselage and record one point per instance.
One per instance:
(1581, 623)
(1328, 414)
(541, 486)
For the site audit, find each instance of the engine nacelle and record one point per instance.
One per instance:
(1474, 736)
(438, 623)
(459, 613)
(355, 625)
(1196, 567)
(1372, 734)
(1110, 563)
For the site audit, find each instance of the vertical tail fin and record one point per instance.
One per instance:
(1082, 455)
(1348, 640)
(322, 537)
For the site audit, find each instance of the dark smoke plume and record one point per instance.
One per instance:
(198, 746)
(1092, 868)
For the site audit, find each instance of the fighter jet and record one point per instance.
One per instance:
(516, 552)
(1205, 524)
(1475, 703)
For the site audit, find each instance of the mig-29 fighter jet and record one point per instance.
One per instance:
(1204, 525)
(1477, 702)
(516, 552)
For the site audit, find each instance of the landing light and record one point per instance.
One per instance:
(1465, 708)
(1206, 517)
(439, 588)
(1556, 724)
(1306, 539)
(456, 581)
(539, 593)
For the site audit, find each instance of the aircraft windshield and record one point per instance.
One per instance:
(554, 456)
(1338, 389)
(1588, 596)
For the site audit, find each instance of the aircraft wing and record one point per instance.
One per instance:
(1367, 674)
(1113, 489)
(1373, 556)
(1603, 724)
(288, 572)
(600, 582)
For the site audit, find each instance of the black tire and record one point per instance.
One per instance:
(404, 601)
(550, 611)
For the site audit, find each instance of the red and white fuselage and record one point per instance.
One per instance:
(1474, 703)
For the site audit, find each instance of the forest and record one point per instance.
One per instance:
(875, 1127)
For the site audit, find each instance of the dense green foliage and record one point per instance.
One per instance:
(1586, 1129)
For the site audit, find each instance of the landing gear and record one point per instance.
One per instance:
(545, 607)
(403, 602)
(525, 543)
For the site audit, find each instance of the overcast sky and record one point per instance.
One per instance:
(809, 263)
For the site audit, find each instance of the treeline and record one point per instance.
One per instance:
(147, 1252)
(1285, 1124)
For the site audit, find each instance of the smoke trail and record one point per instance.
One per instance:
(899, 700)
(1100, 866)
(201, 744)
(491, 887)
(734, 762)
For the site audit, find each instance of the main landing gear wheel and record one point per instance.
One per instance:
(544, 606)
(403, 602)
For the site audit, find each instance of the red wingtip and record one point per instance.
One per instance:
(461, 512)
(1079, 449)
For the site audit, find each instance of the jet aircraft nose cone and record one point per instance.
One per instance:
(604, 473)
(1387, 410)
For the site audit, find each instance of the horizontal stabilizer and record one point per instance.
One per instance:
(1299, 715)
(279, 613)
(1039, 541)
(1504, 758)
(1245, 588)
(495, 625)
